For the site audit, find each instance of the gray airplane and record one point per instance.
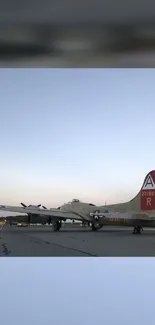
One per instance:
(137, 213)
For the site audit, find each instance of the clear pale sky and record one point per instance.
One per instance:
(77, 291)
(75, 133)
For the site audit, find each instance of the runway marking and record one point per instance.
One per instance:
(36, 241)
(64, 246)
(73, 249)
(47, 242)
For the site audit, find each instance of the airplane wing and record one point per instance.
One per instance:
(52, 212)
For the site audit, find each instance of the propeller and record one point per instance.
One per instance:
(25, 206)
(29, 206)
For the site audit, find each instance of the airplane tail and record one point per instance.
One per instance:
(143, 201)
(147, 195)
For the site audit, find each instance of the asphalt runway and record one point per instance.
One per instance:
(141, 59)
(41, 241)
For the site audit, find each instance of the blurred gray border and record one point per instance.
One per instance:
(57, 25)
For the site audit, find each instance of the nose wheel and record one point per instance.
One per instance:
(137, 230)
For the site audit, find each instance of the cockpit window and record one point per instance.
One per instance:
(93, 205)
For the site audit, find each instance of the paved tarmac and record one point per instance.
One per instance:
(141, 59)
(41, 241)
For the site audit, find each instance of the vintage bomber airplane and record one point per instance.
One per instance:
(137, 213)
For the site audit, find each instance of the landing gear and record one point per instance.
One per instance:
(96, 222)
(84, 223)
(94, 227)
(56, 225)
(137, 230)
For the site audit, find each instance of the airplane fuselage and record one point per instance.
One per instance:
(126, 222)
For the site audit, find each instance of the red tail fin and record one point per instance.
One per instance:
(148, 192)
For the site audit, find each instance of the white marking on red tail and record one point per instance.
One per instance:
(149, 183)
(148, 192)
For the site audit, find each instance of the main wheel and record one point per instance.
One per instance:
(96, 221)
(137, 230)
(94, 227)
(56, 225)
